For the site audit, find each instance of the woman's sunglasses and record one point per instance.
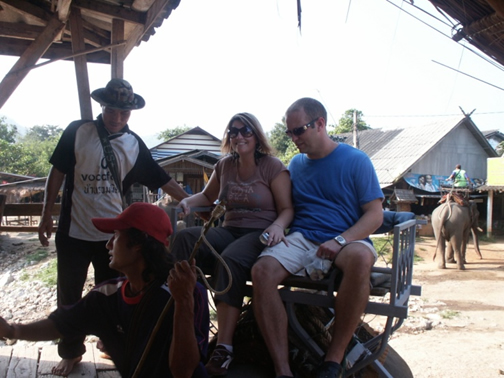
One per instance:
(245, 131)
(301, 129)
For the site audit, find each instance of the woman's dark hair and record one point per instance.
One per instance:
(157, 258)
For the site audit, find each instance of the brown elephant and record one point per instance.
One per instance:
(452, 222)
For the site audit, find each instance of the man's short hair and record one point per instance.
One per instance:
(312, 108)
(458, 166)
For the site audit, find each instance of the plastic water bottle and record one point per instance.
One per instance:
(264, 238)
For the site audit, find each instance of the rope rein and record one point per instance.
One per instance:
(217, 212)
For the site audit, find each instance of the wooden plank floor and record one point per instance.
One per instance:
(21, 361)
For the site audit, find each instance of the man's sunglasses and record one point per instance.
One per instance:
(301, 129)
(245, 131)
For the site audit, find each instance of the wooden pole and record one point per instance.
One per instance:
(80, 63)
(489, 213)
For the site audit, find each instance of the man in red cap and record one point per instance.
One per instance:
(124, 311)
(98, 161)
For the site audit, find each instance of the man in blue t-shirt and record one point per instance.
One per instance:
(337, 205)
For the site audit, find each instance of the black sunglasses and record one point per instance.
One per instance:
(245, 131)
(301, 129)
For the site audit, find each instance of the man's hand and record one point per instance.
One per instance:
(182, 280)
(329, 250)
(45, 229)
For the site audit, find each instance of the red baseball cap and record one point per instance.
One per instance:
(140, 215)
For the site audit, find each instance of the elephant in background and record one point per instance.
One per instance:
(452, 222)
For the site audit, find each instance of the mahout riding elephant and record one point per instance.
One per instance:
(452, 222)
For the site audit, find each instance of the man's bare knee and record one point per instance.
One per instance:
(355, 256)
(268, 271)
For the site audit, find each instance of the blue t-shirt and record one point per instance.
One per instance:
(328, 193)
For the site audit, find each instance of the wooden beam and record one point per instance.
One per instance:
(111, 10)
(33, 53)
(95, 34)
(117, 55)
(18, 30)
(80, 62)
(57, 51)
(31, 32)
(139, 30)
(64, 9)
(30, 10)
(28, 209)
(77, 54)
(23, 228)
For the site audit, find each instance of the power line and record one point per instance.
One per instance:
(472, 77)
(427, 115)
(484, 57)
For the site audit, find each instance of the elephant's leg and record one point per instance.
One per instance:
(440, 257)
(449, 255)
(457, 242)
(464, 248)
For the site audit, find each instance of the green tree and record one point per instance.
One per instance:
(8, 133)
(171, 133)
(278, 138)
(289, 153)
(500, 148)
(13, 158)
(39, 143)
(30, 156)
(345, 123)
(42, 133)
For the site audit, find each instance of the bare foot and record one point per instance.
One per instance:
(65, 366)
(101, 347)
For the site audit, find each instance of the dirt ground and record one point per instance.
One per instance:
(463, 310)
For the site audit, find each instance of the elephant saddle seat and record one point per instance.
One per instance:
(457, 197)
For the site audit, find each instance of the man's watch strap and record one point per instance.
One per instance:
(340, 240)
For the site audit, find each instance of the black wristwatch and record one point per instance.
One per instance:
(340, 240)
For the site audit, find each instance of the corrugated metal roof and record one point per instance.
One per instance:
(487, 188)
(203, 158)
(193, 139)
(393, 152)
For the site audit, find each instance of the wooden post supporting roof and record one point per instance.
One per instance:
(102, 32)
(490, 213)
(80, 62)
(117, 56)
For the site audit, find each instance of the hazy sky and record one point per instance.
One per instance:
(212, 59)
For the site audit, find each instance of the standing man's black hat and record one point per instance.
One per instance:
(118, 94)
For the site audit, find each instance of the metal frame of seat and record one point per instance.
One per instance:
(302, 290)
(395, 309)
